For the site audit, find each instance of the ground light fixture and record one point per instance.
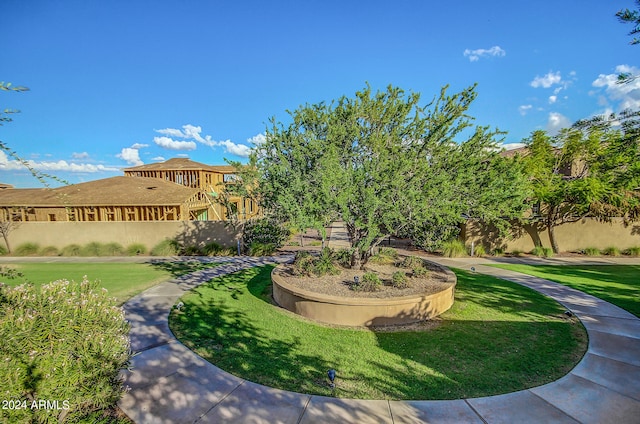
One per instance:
(568, 313)
(332, 376)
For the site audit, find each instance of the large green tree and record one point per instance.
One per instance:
(590, 169)
(386, 165)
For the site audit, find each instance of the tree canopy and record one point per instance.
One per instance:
(630, 16)
(386, 165)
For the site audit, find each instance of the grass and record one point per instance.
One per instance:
(617, 284)
(122, 280)
(454, 249)
(498, 337)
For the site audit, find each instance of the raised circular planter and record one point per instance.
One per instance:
(368, 312)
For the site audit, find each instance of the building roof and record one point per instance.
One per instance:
(114, 191)
(521, 151)
(175, 164)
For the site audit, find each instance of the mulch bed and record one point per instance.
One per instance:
(434, 281)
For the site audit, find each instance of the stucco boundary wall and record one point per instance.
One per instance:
(574, 236)
(61, 234)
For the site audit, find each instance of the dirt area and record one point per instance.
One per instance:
(340, 285)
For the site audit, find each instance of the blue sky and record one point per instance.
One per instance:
(119, 83)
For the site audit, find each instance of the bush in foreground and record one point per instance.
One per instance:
(64, 342)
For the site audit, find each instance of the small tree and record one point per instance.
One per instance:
(385, 165)
(6, 227)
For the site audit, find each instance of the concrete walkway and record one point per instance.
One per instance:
(171, 384)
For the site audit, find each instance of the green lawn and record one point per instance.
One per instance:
(498, 337)
(122, 280)
(617, 284)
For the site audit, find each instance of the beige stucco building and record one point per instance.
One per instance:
(176, 190)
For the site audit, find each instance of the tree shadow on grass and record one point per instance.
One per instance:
(478, 358)
(222, 333)
(180, 267)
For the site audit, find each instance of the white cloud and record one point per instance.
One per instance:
(552, 78)
(524, 109)
(475, 55)
(626, 95)
(83, 155)
(131, 155)
(236, 149)
(159, 159)
(556, 122)
(7, 164)
(171, 144)
(139, 146)
(553, 99)
(192, 132)
(171, 132)
(257, 139)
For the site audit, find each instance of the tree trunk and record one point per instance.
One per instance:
(552, 236)
(6, 242)
(301, 239)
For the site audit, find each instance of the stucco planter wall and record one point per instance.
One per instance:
(367, 312)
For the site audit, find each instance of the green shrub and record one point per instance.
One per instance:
(454, 249)
(419, 271)
(411, 262)
(211, 249)
(632, 251)
(71, 250)
(192, 251)
(49, 251)
(166, 247)
(261, 249)
(497, 252)
(399, 280)
(611, 251)
(303, 264)
(3, 251)
(478, 250)
(315, 243)
(516, 252)
(27, 249)
(91, 249)
(543, 252)
(136, 249)
(592, 251)
(369, 282)
(324, 263)
(343, 257)
(386, 255)
(111, 249)
(65, 341)
(265, 231)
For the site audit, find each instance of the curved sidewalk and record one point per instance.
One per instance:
(171, 384)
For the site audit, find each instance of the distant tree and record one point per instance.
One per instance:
(590, 169)
(6, 227)
(386, 166)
